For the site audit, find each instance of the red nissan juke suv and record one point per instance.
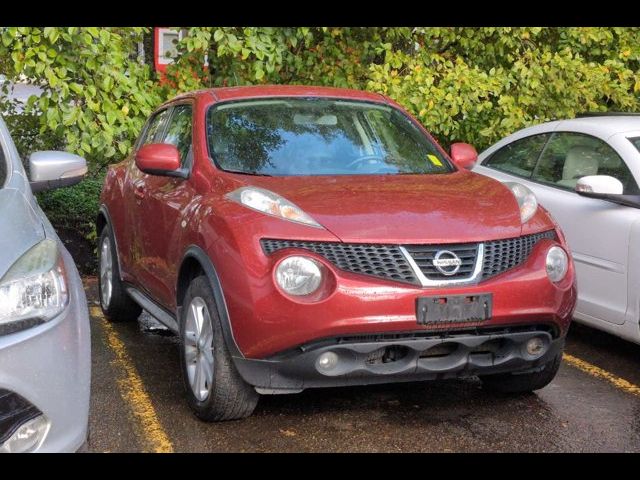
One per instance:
(298, 237)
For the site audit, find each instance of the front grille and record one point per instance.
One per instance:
(388, 261)
(424, 255)
(501, 255)
(385, 261)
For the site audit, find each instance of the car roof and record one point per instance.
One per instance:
(224, 94)
(605, 126)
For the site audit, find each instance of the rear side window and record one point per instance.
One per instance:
(519, 157)
(155, 128)
(636, 142)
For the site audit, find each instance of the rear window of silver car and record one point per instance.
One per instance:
(636, 142)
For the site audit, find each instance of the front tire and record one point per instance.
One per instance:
(114, 299)
(215, 389)
(523, 383)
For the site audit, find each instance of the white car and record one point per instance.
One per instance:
(586, 172)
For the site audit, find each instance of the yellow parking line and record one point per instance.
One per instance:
(598, 372)
(134, 393)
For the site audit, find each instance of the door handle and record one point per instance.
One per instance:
(138, 191)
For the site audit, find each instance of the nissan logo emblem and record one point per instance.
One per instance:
(447, 262)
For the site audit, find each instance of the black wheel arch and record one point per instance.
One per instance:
(196, 260)
(103, 219)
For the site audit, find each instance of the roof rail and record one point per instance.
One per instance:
(607, 114)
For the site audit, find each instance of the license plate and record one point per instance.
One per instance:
(453, 308)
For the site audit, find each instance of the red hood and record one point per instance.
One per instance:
(446, 208)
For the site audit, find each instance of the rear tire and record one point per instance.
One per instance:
(116, 303)
(215, 390)
(523, 383)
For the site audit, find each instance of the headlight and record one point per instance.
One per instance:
(557, 264)
(271, 203)
(34, 290)
(298, 275)
(527, 201)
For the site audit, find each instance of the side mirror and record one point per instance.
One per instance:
(594, 185)
(160, 159)
(604, 187)
(50, 169)
(464, 155)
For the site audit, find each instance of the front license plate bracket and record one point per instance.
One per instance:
(438, 309)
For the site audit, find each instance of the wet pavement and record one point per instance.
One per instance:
(577, 412)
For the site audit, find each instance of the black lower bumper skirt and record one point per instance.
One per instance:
(431, 358)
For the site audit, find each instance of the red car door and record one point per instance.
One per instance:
(165, 200)
(131, 242)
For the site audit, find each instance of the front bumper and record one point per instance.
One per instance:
(49, 366)
(408, 357)
(265, 322)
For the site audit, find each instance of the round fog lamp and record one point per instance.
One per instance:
(535, 346)
(27, 437)
(298, 275)
(557, 264)
(327, 361)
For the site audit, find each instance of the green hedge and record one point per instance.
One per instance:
(464, 84)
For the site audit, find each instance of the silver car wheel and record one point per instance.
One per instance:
(198, 348)
(106, 272)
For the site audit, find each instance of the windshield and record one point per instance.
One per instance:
(313, 136)
(636, 142)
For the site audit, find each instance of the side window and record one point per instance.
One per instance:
(153, 131)
(519, 157)
(179, 131)
(570, 156)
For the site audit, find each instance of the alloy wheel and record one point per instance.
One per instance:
(198, 348)
(106, 272)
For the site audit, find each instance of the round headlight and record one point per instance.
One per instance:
(298, 275)
(557, 264)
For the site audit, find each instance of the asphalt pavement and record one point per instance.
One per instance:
(138, 405)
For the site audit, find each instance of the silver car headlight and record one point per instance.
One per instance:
(557, 264)
(34, 290)
(271, 203)
(526, 199)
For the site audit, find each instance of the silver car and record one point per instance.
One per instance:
(586, 172)
(45, 362)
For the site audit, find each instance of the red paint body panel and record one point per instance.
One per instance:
(154, 228)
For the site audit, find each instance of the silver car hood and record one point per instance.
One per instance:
(20, 227)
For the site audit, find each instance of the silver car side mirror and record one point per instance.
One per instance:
(51, 169)
(599, 184)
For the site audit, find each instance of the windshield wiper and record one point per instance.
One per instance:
(255, 174)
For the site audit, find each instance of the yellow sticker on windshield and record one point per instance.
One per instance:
(435, 160)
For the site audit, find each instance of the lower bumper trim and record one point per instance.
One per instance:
(362, 363)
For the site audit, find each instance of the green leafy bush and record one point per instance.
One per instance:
(74, 207)
(464, 84)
